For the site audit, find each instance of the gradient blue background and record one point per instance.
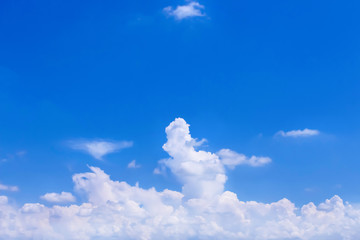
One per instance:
(123, 70)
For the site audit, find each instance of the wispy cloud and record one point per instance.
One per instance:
(192, 9)
(12, 156)
(133, 164)
(99, 148)
(62, 197)
(299, 133)
(8, 188)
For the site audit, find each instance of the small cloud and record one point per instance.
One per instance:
(21, 153)
(299, 133)
(192, 9)
(157, 171)
(161, 169)
(63, 197)
(133, 164)
(231, 159)
(309, 189)
(9, 188)
(99, 148)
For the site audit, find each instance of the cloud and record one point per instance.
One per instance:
(9, 188)
(299, 133)
(99, 148)
(21, 153)
(201, 173)
(133, 164)
(116, 210)
(231, 159)
(192, 9)
(63, 197)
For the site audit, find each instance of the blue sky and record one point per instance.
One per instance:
(76, 72)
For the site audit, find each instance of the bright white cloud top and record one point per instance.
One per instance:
(203, 210)
(62, 197)
(99, 148)
(299, 133)
(192, 9)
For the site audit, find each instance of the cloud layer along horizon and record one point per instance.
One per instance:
(202, 210)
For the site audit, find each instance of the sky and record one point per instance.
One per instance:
(190, 118)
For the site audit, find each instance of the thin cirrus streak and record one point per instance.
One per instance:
(202, 210)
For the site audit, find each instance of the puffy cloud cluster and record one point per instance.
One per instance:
(203, 210)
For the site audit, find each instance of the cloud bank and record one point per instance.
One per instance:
(192, 9)
(99, 148)
(299, 133)
(202, 210)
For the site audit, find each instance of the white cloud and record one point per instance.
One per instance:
(99, 148)
(9, 188)
(201, 173)
(299, 133)
(192, 9)
(117, 210)
(21, 153)
(133, 164)
(63, 197)
(157, 171)
(231, 159)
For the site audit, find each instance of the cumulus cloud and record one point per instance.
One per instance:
(299, 133)
(63, 197)
(117, 210)
(133, 164)
(8, 188)
(192, 9)
(99, 148)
